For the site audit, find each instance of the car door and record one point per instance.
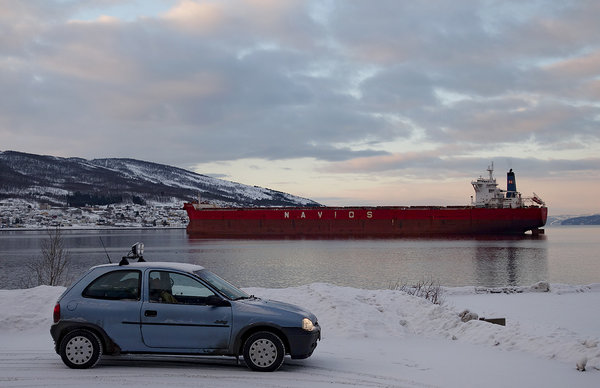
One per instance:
(175, 314)
(113, 302)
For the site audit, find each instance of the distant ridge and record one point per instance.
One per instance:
(57, 181)
(583, 220)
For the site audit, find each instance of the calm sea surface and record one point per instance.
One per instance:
(564, 255)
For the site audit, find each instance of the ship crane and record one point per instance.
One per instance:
(536, 198)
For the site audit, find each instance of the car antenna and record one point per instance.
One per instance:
(107, 256)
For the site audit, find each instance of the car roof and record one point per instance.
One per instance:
(184, 267)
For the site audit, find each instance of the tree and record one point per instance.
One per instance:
(52, 268)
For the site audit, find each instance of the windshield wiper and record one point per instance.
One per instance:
(246, 297)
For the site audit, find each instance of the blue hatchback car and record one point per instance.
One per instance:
(175, 308)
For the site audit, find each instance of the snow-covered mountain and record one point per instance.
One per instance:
(42, 178)
(582, 219)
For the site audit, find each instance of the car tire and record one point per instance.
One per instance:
(80, 349)
(263, 351)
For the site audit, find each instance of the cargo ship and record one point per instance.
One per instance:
(494, 211)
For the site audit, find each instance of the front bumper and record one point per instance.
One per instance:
(302, 343)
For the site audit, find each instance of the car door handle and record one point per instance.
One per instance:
(150, 313)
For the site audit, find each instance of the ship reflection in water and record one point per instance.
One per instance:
(379, 263)
(511, 263)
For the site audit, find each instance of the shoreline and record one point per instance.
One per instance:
(27, 229)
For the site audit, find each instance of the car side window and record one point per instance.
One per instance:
(116, 285)
(171, 287)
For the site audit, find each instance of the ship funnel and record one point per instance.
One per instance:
(511, 184)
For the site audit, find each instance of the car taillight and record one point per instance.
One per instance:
(56, 314)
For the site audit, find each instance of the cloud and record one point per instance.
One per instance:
(581, 66)
(346, 83)
(202, 18)
(437, 166)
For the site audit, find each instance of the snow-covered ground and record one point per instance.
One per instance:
(371, 338)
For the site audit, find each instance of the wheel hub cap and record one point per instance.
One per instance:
(263, 353)
(79, 350)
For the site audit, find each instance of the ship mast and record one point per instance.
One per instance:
(491, 171)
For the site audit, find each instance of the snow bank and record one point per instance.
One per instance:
(28, 309)
(356, 313)
(383, 337)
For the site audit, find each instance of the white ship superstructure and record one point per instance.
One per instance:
(487, 193)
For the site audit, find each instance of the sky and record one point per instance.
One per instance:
(382, 102)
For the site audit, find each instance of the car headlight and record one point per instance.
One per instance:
(307, 324)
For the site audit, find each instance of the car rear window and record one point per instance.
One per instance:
(116, 285)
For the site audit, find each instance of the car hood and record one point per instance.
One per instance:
(267, 306)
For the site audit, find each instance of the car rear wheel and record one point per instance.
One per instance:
(264, 352)
(80, 349)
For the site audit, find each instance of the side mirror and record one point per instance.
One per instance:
(217, 301)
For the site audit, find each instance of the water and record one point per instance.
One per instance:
(564, 255)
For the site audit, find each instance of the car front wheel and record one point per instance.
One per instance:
(80, 349)
(264, 352)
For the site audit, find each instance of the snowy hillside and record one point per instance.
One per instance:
(51, 179)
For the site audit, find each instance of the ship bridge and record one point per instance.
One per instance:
(487, 193)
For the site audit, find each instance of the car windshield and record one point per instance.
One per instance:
(226, 288)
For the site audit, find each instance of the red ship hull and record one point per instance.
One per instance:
(332, 222)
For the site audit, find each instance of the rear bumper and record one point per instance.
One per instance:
(302, 343)
(54, 332)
